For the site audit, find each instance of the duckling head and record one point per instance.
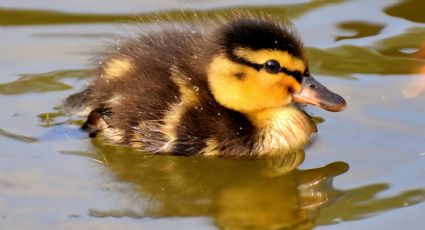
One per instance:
(260, 64)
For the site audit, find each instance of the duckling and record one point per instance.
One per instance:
(229, 90)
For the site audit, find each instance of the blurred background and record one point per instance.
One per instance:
(364, 170)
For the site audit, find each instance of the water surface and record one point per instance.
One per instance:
(364, 169)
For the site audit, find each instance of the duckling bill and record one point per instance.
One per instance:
(229, 90)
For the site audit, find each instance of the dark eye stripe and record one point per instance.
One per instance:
(243, 61)
(295, 74)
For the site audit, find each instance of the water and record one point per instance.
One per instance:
(364, 170)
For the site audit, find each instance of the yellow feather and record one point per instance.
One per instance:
(188, 98)
(257, 90)
(211, 148)
(284, 129)
(117, 68)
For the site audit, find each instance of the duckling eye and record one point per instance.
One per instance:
(272, 66)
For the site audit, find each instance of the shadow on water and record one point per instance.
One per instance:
(361, 28)
(41, 83)
(412, 10)
(239, 194)
(403, 45)
(347, 59)
(363, 202)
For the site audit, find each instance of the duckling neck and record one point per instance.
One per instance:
(281, 130)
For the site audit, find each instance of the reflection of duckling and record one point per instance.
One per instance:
(224, 190)
(223, 92)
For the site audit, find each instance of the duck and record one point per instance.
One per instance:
(232, 88)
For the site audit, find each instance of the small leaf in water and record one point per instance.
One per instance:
(52, 115)
(49, 118)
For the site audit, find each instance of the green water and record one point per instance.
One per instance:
(364, 170)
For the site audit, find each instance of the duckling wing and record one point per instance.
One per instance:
(133, 90)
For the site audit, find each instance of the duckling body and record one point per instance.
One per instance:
(185, 91)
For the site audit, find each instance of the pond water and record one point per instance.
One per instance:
(364, 170)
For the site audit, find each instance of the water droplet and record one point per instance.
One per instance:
(219, 114)
(240, 128)
(408, 50)
(196, 88)
(337, 220)
(202, 108)
(179, 100)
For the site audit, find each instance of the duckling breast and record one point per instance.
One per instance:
(282, 130)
